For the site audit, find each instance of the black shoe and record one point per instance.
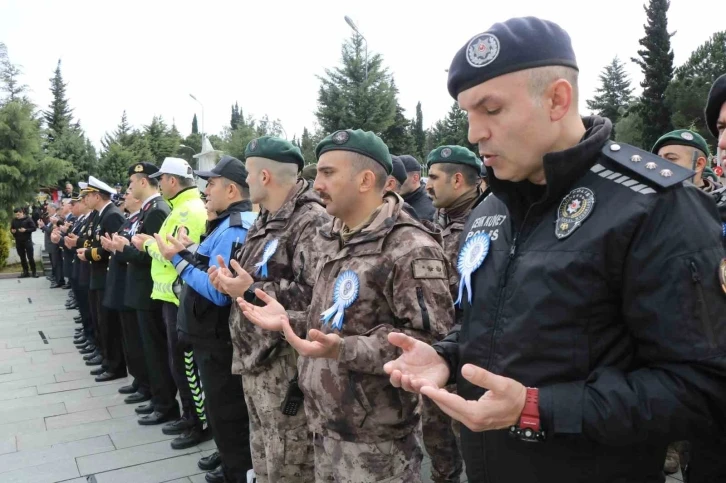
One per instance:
(109, 376)
(215, 476)
(24, 275)
(80, 342)
(54, 285)
(145, 409)
(208, 463)
(177, 427)
(98, 371)
(74, 306)
(79, 335)
(127, 389)
(66, 287)
(190, 437)
(137, 398)
(89, 349)
(35, 275)
(92, 355)
(155, 418)
(96, 361)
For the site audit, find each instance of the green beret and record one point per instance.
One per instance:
(357, 141)
(682, 137)
(454, 155)
(275, 149)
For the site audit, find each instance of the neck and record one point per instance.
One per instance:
(276, 197)
(366, 207)
(572, 135)
(698, 180)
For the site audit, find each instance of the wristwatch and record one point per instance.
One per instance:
(529, 428)
(249, 296)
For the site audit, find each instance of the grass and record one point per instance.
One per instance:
(16, 268)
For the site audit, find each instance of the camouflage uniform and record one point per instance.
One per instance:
(364, 427)
(281, 445)
(440, 432)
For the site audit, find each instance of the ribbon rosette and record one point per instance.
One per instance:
(471, 257)
(344, 294)
(270, 248)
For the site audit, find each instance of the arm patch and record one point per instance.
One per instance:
(428, 268)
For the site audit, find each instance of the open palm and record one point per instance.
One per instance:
(418, 366)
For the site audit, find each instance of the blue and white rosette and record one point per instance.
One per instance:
(723, 230)
(270, 249)
(471, 257)
(345, 293)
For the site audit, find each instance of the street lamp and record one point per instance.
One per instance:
(350, 22)
(194, 151)
(202, 105)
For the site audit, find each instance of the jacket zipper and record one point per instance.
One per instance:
(424, 311)
(701, 311)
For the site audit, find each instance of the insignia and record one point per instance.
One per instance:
(253, 145)
(687, 136)
(722, 274)
(345, 293)
(574, 209)
(139, 168)
(341, 137)
(471, 257)
(650, 165)
(445, 153)
(614, 147)
(482, 50)
(636, 158)
(146, 208)
(428, 269)
(666, 173)
(270, 249)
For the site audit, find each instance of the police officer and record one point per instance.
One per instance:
(152, 329)
(109, 219)
(593, 329)
(380, 272)
(453, 186)
(413, 190)
(204, 313)
(687, 149)
(279, 257)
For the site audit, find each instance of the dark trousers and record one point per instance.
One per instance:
(81, 294)
(176, 361)
(67, 265)
(134, 350)
(226, 411)
(156, 355)
(108, 334)
(56, 263)
(25, 252)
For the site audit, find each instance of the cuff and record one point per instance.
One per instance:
(560, 408)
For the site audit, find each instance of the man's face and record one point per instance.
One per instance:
(69, 188)
(258, 192)
(336, 183)
(51, 210)
(511, 127)
(682, 156)
(167, 185)
(412, 183)
(721, 126)
(216, 192)
(76, 208)
(18, 215)
(440, 187)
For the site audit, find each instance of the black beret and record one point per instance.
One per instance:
(399, 171)
(716, 99)
(143, 168)
(276, 149)
(228, 167)
(511, 46)
(410, 163)
(357, 141)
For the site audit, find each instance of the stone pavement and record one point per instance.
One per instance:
(56, 423)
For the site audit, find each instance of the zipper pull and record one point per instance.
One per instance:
(694, 274)
(513, 248)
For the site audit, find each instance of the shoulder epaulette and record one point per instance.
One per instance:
(649, 166)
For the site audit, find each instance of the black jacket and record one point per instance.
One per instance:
(23, 236)
(84, 230)
(138, 271)
(115, 294)
(109, 220)
(201, 322)
(621, 325)
(421, 202)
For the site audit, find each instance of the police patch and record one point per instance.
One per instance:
(445, 153)
(482, 50)
(573, 210)
(341, 137)
(722, 274)
(687, 136)
(428, 268)
(253, 144)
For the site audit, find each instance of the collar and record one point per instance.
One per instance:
(149, 199)
(184, 195)
(415, 194)
(104, 208)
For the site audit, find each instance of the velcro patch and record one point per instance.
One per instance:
(428, 268)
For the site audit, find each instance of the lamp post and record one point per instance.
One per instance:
(202, 106)
(352, 24)
(194, 151)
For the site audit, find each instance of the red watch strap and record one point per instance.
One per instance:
(530, 413)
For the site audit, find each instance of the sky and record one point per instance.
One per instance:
(146, 57)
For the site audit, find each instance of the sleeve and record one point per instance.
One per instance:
(673, 309)
(198, 279)
(448, 349)
(30, 225)
(418, 295)
(195, 232)
(152, 224)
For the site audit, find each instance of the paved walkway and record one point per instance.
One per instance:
(56, 423)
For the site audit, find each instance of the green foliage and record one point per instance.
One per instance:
(453, 129)
(614, 92)
(237, 118)
(58, 117)
(656, 62)
(307, 144)
(161, 140)
(5, 244)
(10, 77)
(629, 128)
(235, 141)
(195, 125)
(73, 147)
(419, 135)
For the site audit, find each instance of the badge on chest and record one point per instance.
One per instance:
(573, 210)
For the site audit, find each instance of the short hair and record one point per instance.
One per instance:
(470, 174)
(183, 182)
(245, 192)
(53, 205)
(104, 196)
(540, 79)
(18, 210)
(152, 181)
(286, 173)
(362, 163)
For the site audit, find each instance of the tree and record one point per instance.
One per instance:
(307, 147)
(629, 128)
(73, 147)
(656, 62)
(23, 165)
(9, 77)
(398, 136)
(691, 83)
(161, 140)
(58, 117)
(347, 99)
(236, 118)
(195, 126)
(265, 127)
(419, 135)
(614, 92)
(121, 135)
(452, 130)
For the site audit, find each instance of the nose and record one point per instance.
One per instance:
(478, 129)
(722, 141)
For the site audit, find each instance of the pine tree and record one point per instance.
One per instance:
(398, 136)
(73, 147)
(121, 135)
(307, 147)
(419, 135)
(347, 99)
(236, 118)
(10, 77)
(195, 126)
(58, 117)
(656, 62)
(614, 92)
(161, 140)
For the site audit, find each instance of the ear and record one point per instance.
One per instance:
(266, 177)
(458, 179)
(701, 164)
(367, 181)
(559, 98)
